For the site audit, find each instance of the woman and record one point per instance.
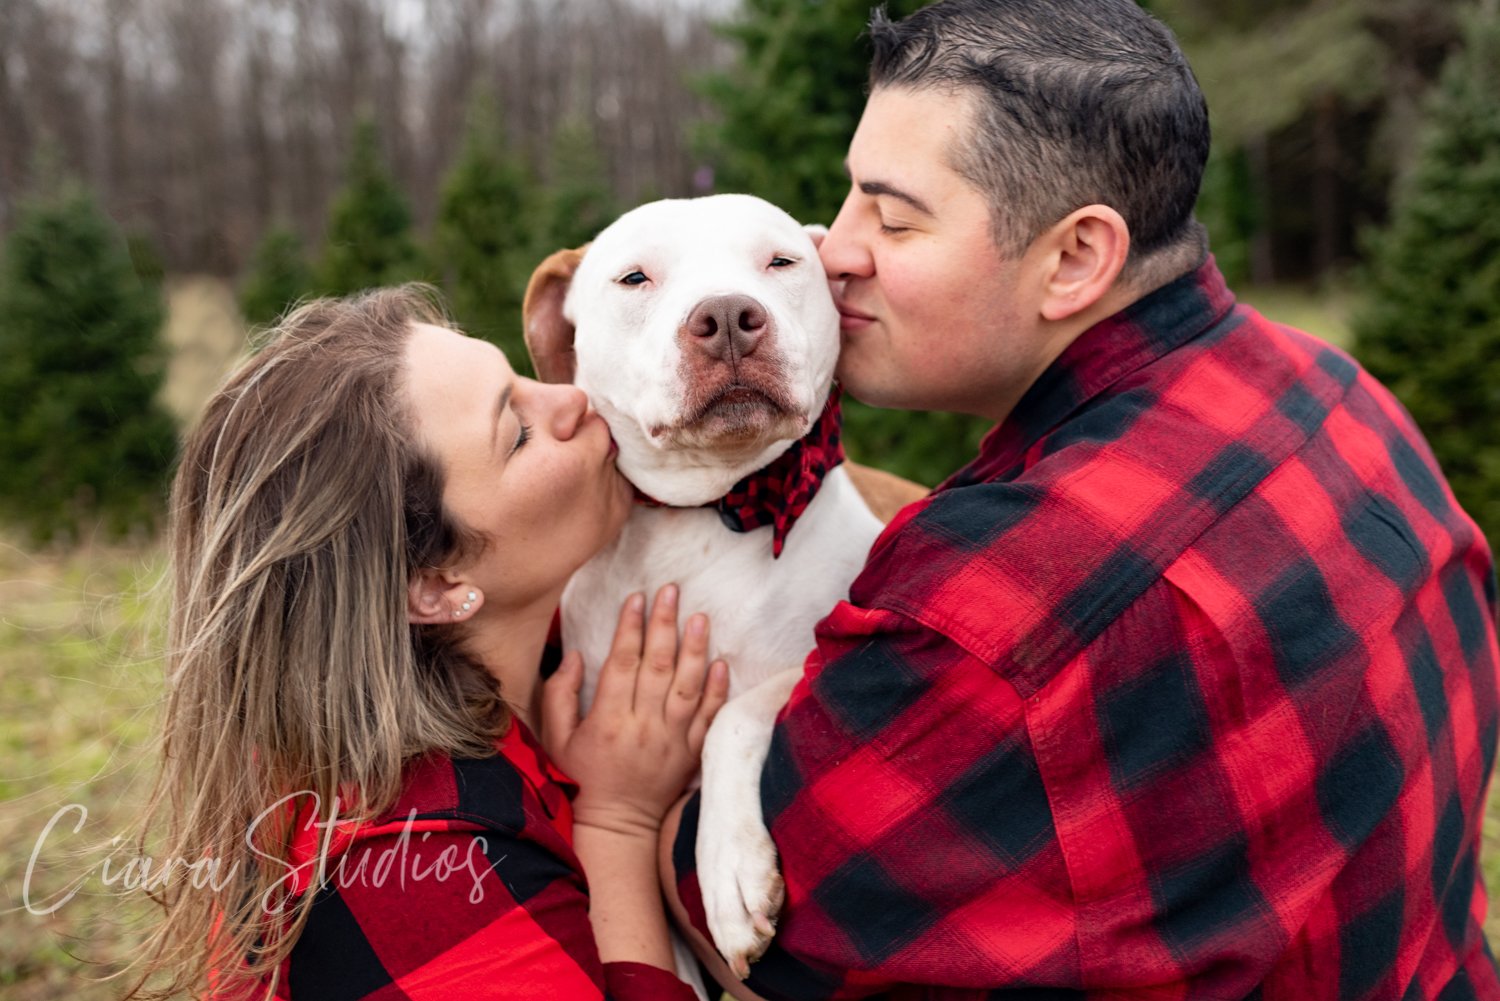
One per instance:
(371, 528)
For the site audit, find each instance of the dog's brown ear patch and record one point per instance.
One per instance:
(549, 335)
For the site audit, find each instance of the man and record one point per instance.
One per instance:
(1186, 686)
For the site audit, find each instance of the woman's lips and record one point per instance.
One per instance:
(613, 448)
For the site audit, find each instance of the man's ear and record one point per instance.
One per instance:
(549, 335)
(1087, 250)
(434, 597)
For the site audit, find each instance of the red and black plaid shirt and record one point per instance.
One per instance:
(509, 922)
(1184, 688)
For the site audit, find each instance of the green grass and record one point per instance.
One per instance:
(78, 644)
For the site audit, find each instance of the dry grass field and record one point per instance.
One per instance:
(80, 634)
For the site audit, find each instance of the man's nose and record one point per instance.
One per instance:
(843, 257)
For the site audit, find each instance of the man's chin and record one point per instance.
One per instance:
(895, 393)
(856, 382)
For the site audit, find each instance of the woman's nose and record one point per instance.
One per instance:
(567, 406)
(842, 255)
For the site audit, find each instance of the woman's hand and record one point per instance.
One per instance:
(642, 738)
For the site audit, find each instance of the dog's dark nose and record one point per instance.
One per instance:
(727, 326)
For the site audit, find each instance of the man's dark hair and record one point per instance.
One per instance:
(1077, 102)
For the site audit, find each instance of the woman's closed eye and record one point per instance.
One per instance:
(523, 436)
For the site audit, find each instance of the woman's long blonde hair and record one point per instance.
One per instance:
(300, 511)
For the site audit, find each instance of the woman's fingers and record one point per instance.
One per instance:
(692, 670)
(617, 677)
(715, 694)
(659, 656)
(560, 702)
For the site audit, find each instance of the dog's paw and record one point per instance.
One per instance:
(742, 894)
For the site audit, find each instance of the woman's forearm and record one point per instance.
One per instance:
(625, 905)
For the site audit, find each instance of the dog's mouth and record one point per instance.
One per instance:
(734, 415)
(737, 402)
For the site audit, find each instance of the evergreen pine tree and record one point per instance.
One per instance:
(483, 239)
(1226, 207)
(1431, 327)
(146, 259)
(369, 226)
(279, 276)
(82, 435)
(579, 201)
(790, 104)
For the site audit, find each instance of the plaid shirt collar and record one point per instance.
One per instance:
(1104, 354)
(780, 492)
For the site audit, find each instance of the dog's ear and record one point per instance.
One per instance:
(549, 335)
(816, 232)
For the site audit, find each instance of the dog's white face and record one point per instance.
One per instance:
(705, 335)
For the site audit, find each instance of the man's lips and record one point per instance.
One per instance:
(851, 318)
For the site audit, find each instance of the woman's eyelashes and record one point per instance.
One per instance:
(523, 436)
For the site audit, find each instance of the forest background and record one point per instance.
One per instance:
(175, 172)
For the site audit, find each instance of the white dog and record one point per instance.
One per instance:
(704, 332)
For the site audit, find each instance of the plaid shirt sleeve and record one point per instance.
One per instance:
(519, 928)
(898, 838)
(1185, 689)
(469, 888)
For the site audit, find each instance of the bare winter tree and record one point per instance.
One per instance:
(200, 122)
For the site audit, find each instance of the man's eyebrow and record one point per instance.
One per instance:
(499, 409)
(882, 188)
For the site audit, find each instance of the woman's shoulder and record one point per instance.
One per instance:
(468, 883)
(517, 791)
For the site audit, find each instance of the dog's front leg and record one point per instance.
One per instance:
(737, 869)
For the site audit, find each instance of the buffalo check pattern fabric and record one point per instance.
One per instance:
(510, 922)
(1184, 688)
(779, 493)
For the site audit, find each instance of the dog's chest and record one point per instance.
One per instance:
(761, 610)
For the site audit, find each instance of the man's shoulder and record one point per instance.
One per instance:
(1026, 570)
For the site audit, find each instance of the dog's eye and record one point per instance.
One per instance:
(781, 262)
(634, 278)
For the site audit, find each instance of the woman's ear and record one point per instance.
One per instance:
(549, 335)
(434, 597)
(1088, 250)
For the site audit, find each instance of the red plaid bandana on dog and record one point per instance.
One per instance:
(1184, 688)
(777, 494)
